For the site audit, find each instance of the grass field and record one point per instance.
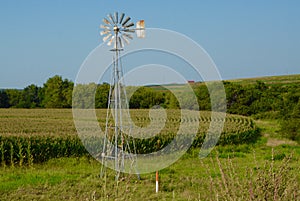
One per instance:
(238, 173)
(242, 171)
(284, 79)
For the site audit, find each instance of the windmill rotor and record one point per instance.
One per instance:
(118, 29)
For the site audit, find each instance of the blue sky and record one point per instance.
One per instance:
(40, 39)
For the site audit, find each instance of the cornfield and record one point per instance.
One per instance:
(30, 136)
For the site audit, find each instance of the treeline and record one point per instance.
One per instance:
(259, 99)
(55, 93)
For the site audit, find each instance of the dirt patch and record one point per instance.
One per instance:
(272, 142)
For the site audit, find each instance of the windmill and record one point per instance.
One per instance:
(119, 147)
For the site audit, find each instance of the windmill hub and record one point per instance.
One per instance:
(116, 29)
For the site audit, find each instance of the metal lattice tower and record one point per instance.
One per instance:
(119, 147)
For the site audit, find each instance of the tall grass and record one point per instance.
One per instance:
(271, 181)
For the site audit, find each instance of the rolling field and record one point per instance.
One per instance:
(30, 136)
(269, 80)
(59, 122)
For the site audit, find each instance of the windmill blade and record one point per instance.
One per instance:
(129, 25)
(122, 17)
(106, 21)
(111, 40)
(120, 42)
(104, 32)
(125, 39)
(111, 18)
(129, 30)
(116, 17)
(104, 27)
(107, 37)
(126, 20)
(127, 35)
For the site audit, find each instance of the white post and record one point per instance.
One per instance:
(156, 189)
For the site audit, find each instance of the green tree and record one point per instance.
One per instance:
(241, 97)
(67, 93)
(4, 101)
(58, 93)
(84, 96)
(171, 101)
(202, 95)
(14, 96)
(145, 97)
(101, 97)
(290, 126)
(30, 97)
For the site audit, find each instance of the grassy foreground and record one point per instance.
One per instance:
(243, 172)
